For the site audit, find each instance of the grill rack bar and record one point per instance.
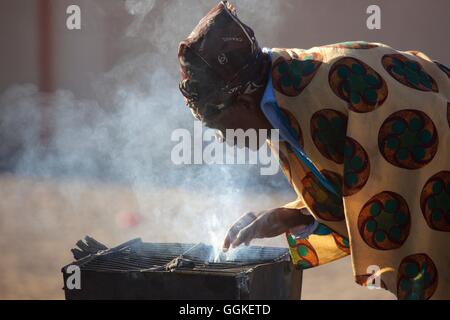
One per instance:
(136, 255)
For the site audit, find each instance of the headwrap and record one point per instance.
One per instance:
(219, 60)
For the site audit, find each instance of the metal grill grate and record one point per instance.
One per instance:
(137, 256)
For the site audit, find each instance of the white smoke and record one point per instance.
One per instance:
(140, 9)
(124, 133)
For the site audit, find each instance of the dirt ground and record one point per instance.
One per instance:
(40, 221)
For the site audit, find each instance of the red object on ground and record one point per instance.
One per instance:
(127, 220)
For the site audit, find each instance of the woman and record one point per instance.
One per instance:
(364, 143)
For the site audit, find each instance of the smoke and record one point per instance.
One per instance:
(140, 9)
(123, 135)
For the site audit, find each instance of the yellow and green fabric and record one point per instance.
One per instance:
(370, 160)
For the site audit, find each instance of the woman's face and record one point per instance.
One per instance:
(244, 113)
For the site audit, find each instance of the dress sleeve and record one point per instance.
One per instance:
(320, 247)
(315, 244)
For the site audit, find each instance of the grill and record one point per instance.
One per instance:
(139, 270)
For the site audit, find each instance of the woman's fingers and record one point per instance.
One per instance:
(245, 235)
(232, 234)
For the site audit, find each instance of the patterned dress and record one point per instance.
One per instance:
(376, 124)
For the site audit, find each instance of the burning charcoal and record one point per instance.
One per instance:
(87, 247)
(179, 263)
(79, 254)
(91, 242)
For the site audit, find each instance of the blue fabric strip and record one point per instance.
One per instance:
(273, 113)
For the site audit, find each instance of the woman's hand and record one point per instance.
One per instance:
(265, 224)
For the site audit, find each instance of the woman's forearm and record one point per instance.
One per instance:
(280, 220)
(292, 218)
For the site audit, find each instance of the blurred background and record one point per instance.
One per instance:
(86, 118)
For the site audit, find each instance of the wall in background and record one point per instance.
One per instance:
(80, 55)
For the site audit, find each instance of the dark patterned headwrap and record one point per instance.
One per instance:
(220, 60)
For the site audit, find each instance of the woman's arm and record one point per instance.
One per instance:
(265, 224)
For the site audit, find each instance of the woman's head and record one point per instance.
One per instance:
(223, 71)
